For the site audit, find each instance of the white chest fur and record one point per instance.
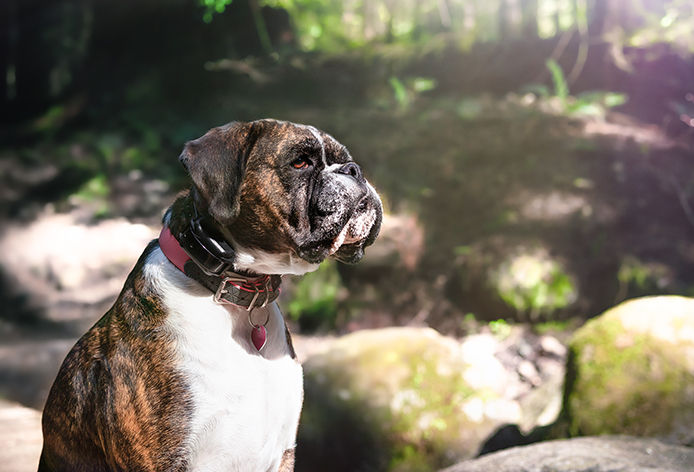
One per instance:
(246, 404)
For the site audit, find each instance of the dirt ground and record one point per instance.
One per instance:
(20, 437)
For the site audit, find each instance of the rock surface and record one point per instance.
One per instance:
(632, 371)
(410, 399)
(592, 454)
(20, 437)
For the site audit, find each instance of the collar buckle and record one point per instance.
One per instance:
(219, 296)
(221, 290)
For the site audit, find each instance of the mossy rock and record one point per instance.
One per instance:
(398, 399)
(631, 371)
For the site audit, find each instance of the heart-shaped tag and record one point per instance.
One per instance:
(259, 336)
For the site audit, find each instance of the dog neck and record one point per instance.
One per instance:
(250, 261)
(209, 260)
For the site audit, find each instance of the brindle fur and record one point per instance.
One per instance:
(116, 404)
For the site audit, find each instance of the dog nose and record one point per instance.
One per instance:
(353, 169)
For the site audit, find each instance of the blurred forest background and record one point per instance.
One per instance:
(534, 156)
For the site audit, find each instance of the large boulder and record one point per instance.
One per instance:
(404, 399)
(631, 371)
(603, 454)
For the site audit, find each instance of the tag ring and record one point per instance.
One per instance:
(253, 325)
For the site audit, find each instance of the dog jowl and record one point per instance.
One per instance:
(193, 368)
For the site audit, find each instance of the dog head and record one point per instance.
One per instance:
(286, 196)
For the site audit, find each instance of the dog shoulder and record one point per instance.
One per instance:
(117, 397)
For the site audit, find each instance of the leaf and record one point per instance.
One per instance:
(401, 96)
(561, 88)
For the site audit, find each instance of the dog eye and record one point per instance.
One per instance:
(301, 162)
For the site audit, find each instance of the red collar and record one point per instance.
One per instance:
(172, 250)
(235, 289)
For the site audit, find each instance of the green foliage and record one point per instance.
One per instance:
(552, 326)
(593, 103)
(406, 92)
(535, 284)
(315, 302)
(462, 250)
(95, 192)
(400, 92)
(640, 277)
(333, 25)
(671, 21)
(212, 7)
(561, 88)
(500, 328)
(51, 120)
(469, 108)
(423, 84)
(94, 189)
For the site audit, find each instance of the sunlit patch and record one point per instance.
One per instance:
(554, 206)
(532, 281)
(643, 135)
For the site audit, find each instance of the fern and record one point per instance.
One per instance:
(561, 88)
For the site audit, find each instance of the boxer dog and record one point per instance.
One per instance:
(193, 369)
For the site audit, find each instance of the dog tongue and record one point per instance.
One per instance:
(259, 336)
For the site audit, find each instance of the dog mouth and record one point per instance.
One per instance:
(344, 220)
(356, 230)
(348, 244)
(359, 231)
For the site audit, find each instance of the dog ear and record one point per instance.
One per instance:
(216, 163)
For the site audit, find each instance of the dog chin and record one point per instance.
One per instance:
(349, 253)
(345, 248)
(358, 233)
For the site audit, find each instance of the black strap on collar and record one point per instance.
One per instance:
(237, 289)
(210, 252)
(211, 263)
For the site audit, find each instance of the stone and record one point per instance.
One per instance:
(590, 454)
(631, 371)
(404, 399)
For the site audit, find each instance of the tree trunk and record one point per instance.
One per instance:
(261, 27)
(503, 19)
(529, 18)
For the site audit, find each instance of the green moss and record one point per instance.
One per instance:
(500, 328)
(554, 326)
(625, 383)
(411, 387)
